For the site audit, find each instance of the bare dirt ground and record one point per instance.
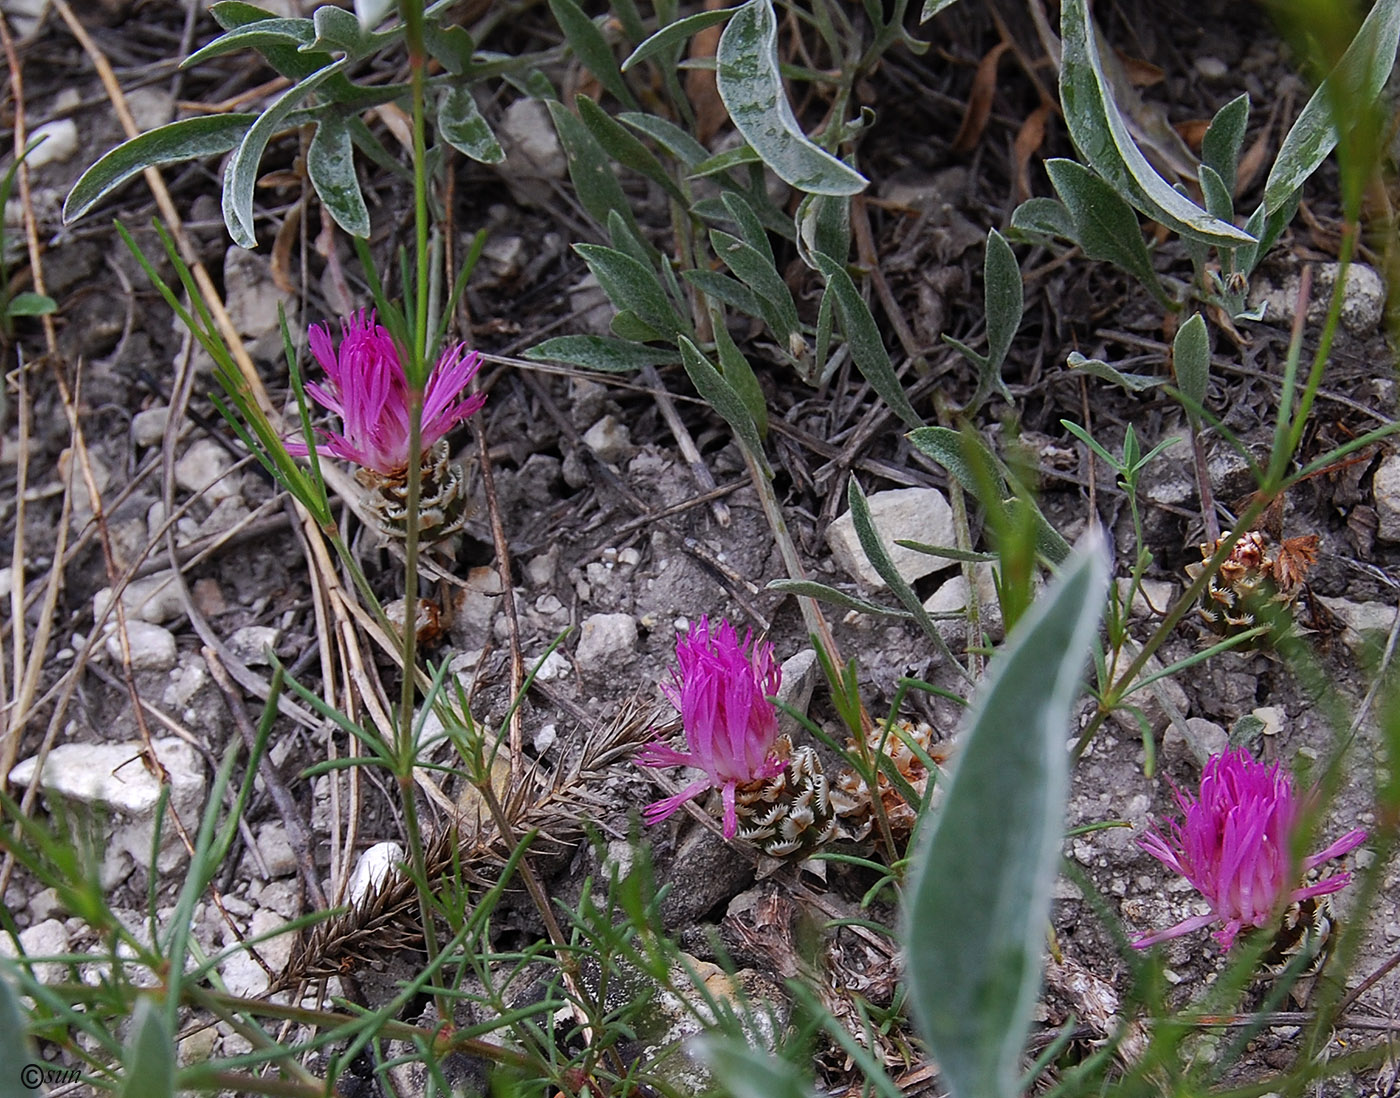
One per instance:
(609, 530)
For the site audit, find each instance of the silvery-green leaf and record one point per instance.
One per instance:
(739, 373)
(722, 397)
(337, 29)
(1220, 148)
(592, 352)
(751, 88)
(863, 337)
(15, 1050)
(1004, 298)
(1105, 225)
(188, 139)
(759, 275)
(751, 230)
(614, 139)
(824, 225)
(280, 41)
(462, 126)
(1134, 383)
(31, 304)
(1191, 356)
(241, 175)
(148, 1060)
(721, 287)
(973, 991)
(1102, 138)
(451, 47)
(933, 7)
(668, 135)
(371, 13)
(1037, 220)
(824, 593)
(1268, 226)
(672, 35)
(632, 286)
(589, 45)
(726, 161)
(330, 164)
(1351, 86)
(590, 167)
(1216, 194)
(878, 556)
(746, 1072)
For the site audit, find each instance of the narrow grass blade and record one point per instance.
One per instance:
(188, 139)
(986, 870)
(751, 88)
(1102, 138)
(1352, 86)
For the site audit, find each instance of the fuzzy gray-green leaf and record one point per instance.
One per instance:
(1134, 383)
(149, 1056)
(759, 275)
(1004, 298)
(1352, 86)
(618, 143)
(614, 356)
(330, 164)
(973, 991)
(672, 35)
(630, 285)
(188, 139)
(462, 126)
(1220, 148)
(863, 338)
(589, 45)
(1102, 138)
(590, 167)
(1191, 357)
(724, 399)
(1038, 219)
(751, 88)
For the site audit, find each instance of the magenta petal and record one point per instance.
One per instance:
(1183, 927)
(666, 807)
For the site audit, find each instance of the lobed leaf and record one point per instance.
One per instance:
(1353, 84)
(751, 88)
(973, 991)
(330, 164)
(1102, 138)
(187, 139)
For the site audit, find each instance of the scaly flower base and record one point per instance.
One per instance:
(791, 812)
(851, 795)
(443, 506)
(1253, 587)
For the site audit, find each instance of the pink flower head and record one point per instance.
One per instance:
(1234, 844)
(730, 725)
(366, 387)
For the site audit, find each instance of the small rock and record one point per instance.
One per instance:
(533, 152)
(539, 570)
(544, 738)
(152, 647)
(148, 425)
(505, 255)
(204, 468)
(198, 1047)
(609, 439)
(46, 904)
(798, 683)
(1152, 597)
(154, 598)
(372, 870)
(1367, 623)
(952, 597)
(592, 310)
(1198, 740)
(1271, 717)
(252, 643)
(25, 16)
(281, 897)
(208, 597)
(554, 666)
(1212, 68)
(915, 514)
(58, 142)
(151, 107)
(605, 642)
(252, 299)
(1362, 305)
(109, 783)
(1385, 486)
(46, 939)
(474, 606)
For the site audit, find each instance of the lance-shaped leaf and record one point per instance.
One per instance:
(669, 37)
(590, 168)
(330, 164)
(614, 356)
(149, 1056)
(188, 139)
(1220, 147)
(1191, 357)
(632, 287)
(462, 126)
(751, 88)
(724, 399)
(988, 866)
(1102, 138)
(589, 45)
(1351, 87)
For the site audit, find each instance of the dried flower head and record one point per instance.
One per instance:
(1234, 844)
(368, 389)
(721, 689)
(1252, 586)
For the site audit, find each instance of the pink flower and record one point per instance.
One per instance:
(730, 725)
(366, 387)
(1234, 845)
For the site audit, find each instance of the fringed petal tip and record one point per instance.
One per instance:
(665, 808)
(1343, 846)
(1186, 926)
(658, 754)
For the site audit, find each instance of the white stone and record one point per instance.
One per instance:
(25, 16)
(1152, 597)
(915, 514)
(533, 151)
(151, 107)
(799, 680)
(605, 641)
(609, 439)
(1363, 302)
(148, 425)
(203, 469)
(7, 581)
(154, 598)
(539, 570)
(1199, 739)
(545, 737)
(59, 143)
(252, 642)
(252, 298)
(46, 939)
(1366, 622)
(276, 850)
(109, 782)
(1385, 486)
(372, 870)
(1271, 716)
(554, 666)
(152, 646)
(952, 597)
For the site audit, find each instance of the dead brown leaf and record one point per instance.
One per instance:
(1028, 141)
(979, 100)
(700, 84)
